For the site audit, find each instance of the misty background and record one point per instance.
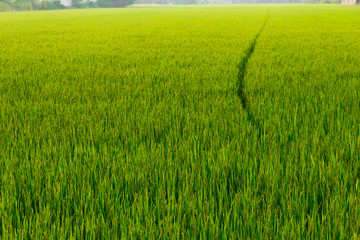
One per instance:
(27, 5)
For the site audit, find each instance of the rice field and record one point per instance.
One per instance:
(192, 122)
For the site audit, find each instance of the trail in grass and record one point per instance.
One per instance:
(241, 77)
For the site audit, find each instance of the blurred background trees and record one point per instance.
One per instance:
(26, 5)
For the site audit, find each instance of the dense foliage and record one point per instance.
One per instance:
(22, 5)
(188, 122)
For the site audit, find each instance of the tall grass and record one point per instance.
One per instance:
(124, 123)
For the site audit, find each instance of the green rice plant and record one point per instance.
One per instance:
(126, 123)
(303, 86)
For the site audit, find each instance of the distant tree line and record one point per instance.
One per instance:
(26, 5)
(23, 5)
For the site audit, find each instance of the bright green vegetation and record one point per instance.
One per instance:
(126, 123)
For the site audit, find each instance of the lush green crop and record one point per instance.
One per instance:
(180, 122)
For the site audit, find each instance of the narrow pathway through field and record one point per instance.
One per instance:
(240, 87)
